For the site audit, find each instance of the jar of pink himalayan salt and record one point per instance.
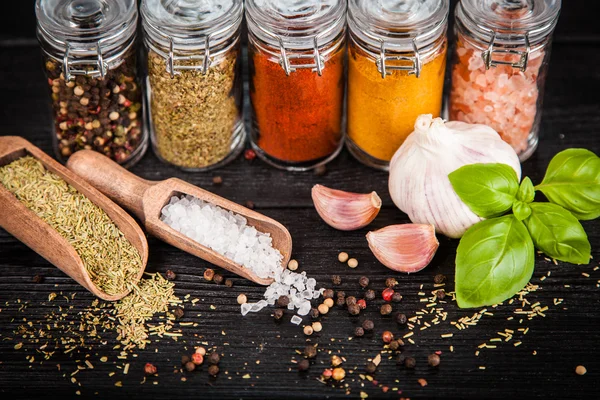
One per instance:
(499, 66)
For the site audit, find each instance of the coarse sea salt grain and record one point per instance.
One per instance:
(230, 235)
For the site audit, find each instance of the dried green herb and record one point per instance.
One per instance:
(194, 116)
(110, 259)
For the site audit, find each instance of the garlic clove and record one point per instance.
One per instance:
(344, 210)
(404, 248)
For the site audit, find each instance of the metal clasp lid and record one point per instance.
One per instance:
(414, 69)
(173, 68)
(70, 73)
(319, 62)
(488, 55)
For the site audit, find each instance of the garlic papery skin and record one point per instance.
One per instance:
(404, 248)
(344, 210)
(419, 170)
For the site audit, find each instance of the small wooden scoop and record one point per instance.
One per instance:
(30, 229)
(146, 199)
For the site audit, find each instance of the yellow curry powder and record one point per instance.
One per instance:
(382, 112)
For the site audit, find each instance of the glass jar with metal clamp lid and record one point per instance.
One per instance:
(397, 59)
(194, 85)
(500, 65)
(89, 57)
(297, 80)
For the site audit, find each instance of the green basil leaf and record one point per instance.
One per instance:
(494, 260)
(526, 191)
(557, 233)
(521, 210)
(488, 189)
(573, 182)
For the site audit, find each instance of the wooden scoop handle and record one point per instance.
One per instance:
(110, 178)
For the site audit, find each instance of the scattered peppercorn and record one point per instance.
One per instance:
(396, 297)
(422, 382)
(317, 327)
(362, 304)
(201, 351)
(341, 293)
(310, 351)
(368, 325)
(354, 309)
(433, 360)
(370, 294)
(178, 312)
(150, 369)
(293, 265)
(278, 314)
(249, 205)
(214, 358)
(438, 279)
(401, 318)
(328, 302)
(394, 345)
(38, 279)
(343, 257)
(358, 332)
(327, 373)
(303, 365)
(308, 330)
(350, 300)
(170, 275)
(218, 279)
(228, 283)
(209, 274)
(328, 294)
(336, 279)
(390, 282)
(387, 336)
(410, 362)
(217, 181)
(213, 370)
(320, 170)
(401, 359)
(283, 301)
(242, 299)
(336, 361)
(249, 154)
(363, 281)
(387, 294)
(341, 302)
(197, 358)
(323, 309)
(580, 370)
(314, 313)
(190, 366)
(371, 367)
(386, 309)
(185, 360)
(440, 294)
(353, 263)
(338, 374)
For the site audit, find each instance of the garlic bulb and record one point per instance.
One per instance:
(344, 210)
(419, 170)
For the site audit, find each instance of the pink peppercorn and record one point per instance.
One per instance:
(387, 294)
(362, 303)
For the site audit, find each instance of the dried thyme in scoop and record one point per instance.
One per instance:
(109, 258)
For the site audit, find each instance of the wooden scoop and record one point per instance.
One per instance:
(30, 229)
(146, 199)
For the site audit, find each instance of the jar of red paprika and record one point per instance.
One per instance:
(89, 52)
(297, 80)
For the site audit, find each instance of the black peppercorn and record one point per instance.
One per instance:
(410, 362)
(190, 366)
(38, 279)
(328, 294)
(213, 370)
(363, 281)
(320, 170)
(400, 359)
(228, 283)
(370, 294)
(218, 279)
(370, 368)
(214, 358)
(278, 314)
(310, 351)
(185, 360)
(303, 365)
(350, 301)
(440, 294)
(336, 279)
(358, 332)
(400, 319)
(283, 301)
(341, 294)
(394, 345)
(390, 282)
(170, 275)
(438, 279)
(396, 297)
(178, 313)
(314, 313)
(341, 302)
(433, 360)
(386, 309)
(250, 205)
(368, 325)
(354, 309)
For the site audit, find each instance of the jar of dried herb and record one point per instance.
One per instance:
(297, 80)
(89, 58)
(194, 92)
(396, 72)
(500, 65)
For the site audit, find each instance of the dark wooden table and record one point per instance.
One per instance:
(258, 352)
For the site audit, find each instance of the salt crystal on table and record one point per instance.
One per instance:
(296, 320)
(245, 308)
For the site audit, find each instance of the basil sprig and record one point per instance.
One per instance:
(495, 258)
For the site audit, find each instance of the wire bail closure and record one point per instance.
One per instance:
(385, 69)
(488, 55)
(173, 68)
(319, 61)
(69, 64)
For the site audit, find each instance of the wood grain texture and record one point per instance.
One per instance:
(568, 335)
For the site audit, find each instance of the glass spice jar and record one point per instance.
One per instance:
(297, 80)
(500, 65)
(397, 61)
(89, 56)
(193, 85)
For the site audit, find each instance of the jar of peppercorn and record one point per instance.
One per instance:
(193, 85)
(89, 55)
(296, 53)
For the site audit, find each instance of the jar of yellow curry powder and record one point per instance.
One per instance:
(397, 61)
